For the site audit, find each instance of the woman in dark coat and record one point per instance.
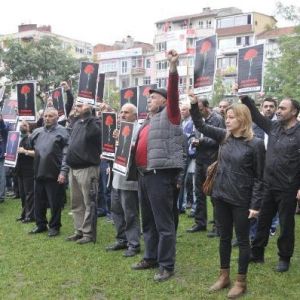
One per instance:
(237, 187)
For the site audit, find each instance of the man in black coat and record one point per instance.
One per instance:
(50, 146)
(83, 158)
(282, 179)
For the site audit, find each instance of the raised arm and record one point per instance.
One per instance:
(70, 98)
(173, 95)
(218, 134)
(263, 122)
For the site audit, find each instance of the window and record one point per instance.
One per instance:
(249, 19)
(183, 25)
(208, 24)
(200, 24)
(125, 83)
(227, 22)
(161, 46)
(124, 66)
(136, 81)
(161, 65)
(109, 66)
(137, 62)
(234, 21)
(190, 81)
(225, 62)
(79, 50)
(146, 80)
(247, 40)
(244, 40)
(240, 20)
(161, 82)
(148, 63)
(181, 81)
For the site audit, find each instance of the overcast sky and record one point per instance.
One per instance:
(101, 21)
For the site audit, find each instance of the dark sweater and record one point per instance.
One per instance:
(24, 167)
(85, 144)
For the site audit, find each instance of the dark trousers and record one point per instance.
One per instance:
(48, 192)
(176, 192)
(201, 206)
(104, 191)
(285, 203)
(230, 216)
(156, 195)
(26, 190)
(125, 214)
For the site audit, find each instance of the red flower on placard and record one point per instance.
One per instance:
(128, 95)
(250, 55)
(89, 69)
(25, 90)
(125, 133)
(56, 94)
(146, 91)
(13, 137)
(205, 48)
(108, 122)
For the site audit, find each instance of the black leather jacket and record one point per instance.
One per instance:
(282, 170)
(207, 151)
(239, 178)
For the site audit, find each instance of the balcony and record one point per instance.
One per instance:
(138, 71)
(229, 71)
(233, 31)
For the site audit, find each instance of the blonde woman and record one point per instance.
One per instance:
(237, 187)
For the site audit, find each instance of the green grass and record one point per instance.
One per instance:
(38, 267)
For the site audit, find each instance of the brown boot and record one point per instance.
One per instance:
(222, 282)
(239, 287)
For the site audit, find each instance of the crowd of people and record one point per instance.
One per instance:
(256, 185)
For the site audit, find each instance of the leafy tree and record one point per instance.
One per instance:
(112, 97)
(282, 73)
(43, 60)
(219, 89)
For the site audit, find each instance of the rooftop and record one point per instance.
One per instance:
(276, 32)
(206, 12)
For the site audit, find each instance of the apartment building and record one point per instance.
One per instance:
(126, 63)
(181, 33)
(28, 32)
(234, 32)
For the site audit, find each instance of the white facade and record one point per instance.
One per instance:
(181, 33)
(126, 67)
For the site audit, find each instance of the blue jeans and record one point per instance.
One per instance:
(2, 180)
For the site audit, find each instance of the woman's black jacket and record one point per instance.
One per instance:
(239, 178)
